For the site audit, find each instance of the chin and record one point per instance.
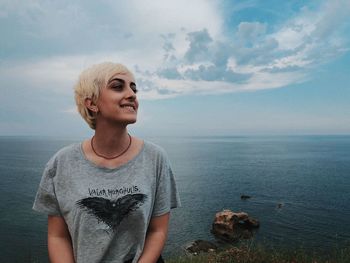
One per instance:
(130, 121)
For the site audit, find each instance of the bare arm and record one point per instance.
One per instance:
(155, 239)
(59, 241)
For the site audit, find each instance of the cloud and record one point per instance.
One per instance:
(262, 52)
(199, 46)
(172, 52)
(250, 32)
(65, 28)
(256, 57)
(215, 73)
(316, 35)
(169, 73)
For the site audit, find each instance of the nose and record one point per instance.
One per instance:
(130, 93)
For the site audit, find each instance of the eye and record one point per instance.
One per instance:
(117, 86)
(133, 87)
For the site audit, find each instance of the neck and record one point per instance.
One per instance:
(110, 141)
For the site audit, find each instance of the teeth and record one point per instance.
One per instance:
(129, 107)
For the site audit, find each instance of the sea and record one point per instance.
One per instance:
(299, 188)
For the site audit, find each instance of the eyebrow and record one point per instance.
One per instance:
(121, 80)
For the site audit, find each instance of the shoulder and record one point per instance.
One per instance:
(59, 159)
(69, 152)
(154, 149)
(156, 153)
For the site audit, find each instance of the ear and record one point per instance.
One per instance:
(90, 105)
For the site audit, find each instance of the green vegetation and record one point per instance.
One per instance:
(260, 254)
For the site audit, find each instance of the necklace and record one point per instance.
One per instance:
(113, 157)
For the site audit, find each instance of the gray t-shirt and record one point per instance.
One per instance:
(107, 211)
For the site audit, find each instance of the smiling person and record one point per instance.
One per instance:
(108, 198)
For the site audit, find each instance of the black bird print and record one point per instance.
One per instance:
(112, 212)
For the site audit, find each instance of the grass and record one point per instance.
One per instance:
(260, 254)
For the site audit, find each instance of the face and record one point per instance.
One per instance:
(117, 101)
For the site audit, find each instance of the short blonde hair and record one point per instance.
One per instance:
(90, 83)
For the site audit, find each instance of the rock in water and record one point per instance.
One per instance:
(251, 223)
(230, 226)
(201, 246)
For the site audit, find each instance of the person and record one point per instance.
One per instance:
(108, 198)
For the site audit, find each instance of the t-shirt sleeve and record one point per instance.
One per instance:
(167, 196)
(45, 200)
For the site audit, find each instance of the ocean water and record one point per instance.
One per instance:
(308, 175)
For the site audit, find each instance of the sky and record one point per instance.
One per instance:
(202, 67)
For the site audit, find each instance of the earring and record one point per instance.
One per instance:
(94, 109)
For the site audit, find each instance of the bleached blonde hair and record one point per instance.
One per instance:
(90, 83)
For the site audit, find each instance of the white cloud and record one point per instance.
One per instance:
(250, 31)
(256, 59)
(175, 47)
(159, 16)
(313, 31)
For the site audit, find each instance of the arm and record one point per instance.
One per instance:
(59, 241)
(155, 239)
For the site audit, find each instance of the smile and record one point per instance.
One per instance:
(129, 107)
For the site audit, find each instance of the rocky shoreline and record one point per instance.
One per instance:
(228, 227)
(232, 229)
